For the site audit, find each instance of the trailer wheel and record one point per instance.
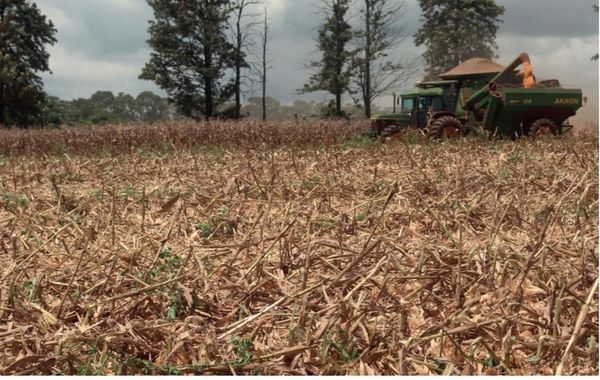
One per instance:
(542, 127)
(446, 127)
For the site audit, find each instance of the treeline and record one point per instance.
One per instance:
(103, 107)
(303, 110)
(207, 54)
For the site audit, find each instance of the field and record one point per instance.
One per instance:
(295, 249)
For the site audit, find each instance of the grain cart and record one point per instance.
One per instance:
(482, 94)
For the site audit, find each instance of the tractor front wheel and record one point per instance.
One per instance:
(445, 127)
(391, 132)
(542, 127)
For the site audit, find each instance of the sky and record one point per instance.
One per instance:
(102, 45)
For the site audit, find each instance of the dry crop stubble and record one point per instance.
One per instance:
(454, 258)
(167, 137)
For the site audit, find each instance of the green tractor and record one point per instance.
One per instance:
(482, 94)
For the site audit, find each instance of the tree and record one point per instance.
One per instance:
(150, 107)
(255, 107)
(264, 64)
(381, 31)
(333, 70)
(24, 34)
(53, 112)
(454, 31)
(104, 107)
(124, 107)
(241, 35)
(191, 54)
(595, 57)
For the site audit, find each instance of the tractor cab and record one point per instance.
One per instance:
(418, 105)
(415, 108)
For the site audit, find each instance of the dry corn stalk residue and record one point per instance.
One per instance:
(346, 257)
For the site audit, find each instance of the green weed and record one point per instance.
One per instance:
(30, 286)
(206, 229)
(341, 345)
(168, 261)
(129, 191)
(223, 212)
(14, 201)
(173, 307)
(240, 349)
(97, 194)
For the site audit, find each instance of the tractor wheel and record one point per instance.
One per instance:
(391, 131)
(542, 127)
(445, 127)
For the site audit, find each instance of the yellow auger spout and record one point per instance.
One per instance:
(528, 78)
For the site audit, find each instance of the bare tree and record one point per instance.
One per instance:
(595, 57)
(265, 64)
(242, 33)
(374, 72)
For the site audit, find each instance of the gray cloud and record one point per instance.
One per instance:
(293, 46)
(102, 44)
(100, 27)
(549, 18)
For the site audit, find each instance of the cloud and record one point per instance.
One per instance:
(124, 4)
(78, 75)
(99, 27)
(276, 9)
(549, 18)
(102, 44)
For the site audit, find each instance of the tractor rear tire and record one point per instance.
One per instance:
(446, 127)
(541, 127)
